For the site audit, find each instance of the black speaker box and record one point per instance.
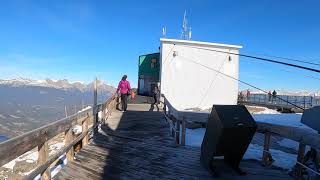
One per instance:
(310, 117)
(230, 129)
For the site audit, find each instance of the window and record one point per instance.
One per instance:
(153, 63)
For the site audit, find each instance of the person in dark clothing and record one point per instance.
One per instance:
(269, 95)
(124, 89)
(274, 95)
(248, 95)
(156, 97)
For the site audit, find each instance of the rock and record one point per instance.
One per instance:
(23, 167)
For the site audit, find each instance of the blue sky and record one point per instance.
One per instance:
(79, 40)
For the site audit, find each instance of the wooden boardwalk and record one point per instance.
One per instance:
(137, 145)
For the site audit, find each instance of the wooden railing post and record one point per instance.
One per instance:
(68, 140)
(94, 109)
(300, 158)
(85, 140)
(104, 110)
(183, 133)
(43, 151)
(177, 131)
(173, 132)
(267, 158)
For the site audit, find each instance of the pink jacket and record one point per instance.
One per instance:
(124, 87)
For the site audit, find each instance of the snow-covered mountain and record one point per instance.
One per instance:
(285, 92)
(58, 84)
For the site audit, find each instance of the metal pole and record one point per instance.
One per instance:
(65, 111)
(95, 119)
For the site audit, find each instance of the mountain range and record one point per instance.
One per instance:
(285, 92)
(27, 104)
(58, 84)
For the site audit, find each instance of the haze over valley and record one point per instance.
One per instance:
(27, 104)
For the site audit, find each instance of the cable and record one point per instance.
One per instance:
(312, 77)
(260, 58)
(213, 80)
(290, 59)
(166, 59)
(242, 82)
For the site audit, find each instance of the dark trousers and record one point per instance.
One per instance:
(124, 101)
(156, 102)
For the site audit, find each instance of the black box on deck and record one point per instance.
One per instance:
(230, 129)
(310, 117)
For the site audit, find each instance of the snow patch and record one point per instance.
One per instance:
(10, 165)
(282, 159)
(289, 144)
(54, 170)
(100, 114)
(77, 129)
(55, 147)
(84, 109)
(194, 137)
(265, 110)
(292, 120)
(31, 156)
(13, 116)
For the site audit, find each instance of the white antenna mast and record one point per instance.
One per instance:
(164, 31)
(186, 34)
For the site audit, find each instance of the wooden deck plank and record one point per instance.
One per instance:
(137, 145)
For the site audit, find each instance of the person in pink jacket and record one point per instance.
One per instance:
(124, 89)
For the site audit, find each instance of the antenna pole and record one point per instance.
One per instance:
(65, 111)
(186, 32)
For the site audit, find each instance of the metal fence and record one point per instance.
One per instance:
(302, 101)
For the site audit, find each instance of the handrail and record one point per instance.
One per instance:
(45, 165)
(177, 114)
(302, 135)
(26, 142)
(294, 133)
(303, 101)
(17, 146)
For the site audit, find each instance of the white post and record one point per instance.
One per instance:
(95, 113)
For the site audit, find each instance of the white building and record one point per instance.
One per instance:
(194, 75)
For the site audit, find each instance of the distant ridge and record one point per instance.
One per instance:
(286, 92)
(58, 84)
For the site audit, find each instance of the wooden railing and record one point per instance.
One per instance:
(178, 120)
(15, 147)
(303, 136)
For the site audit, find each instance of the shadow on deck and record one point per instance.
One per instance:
(137, 145)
